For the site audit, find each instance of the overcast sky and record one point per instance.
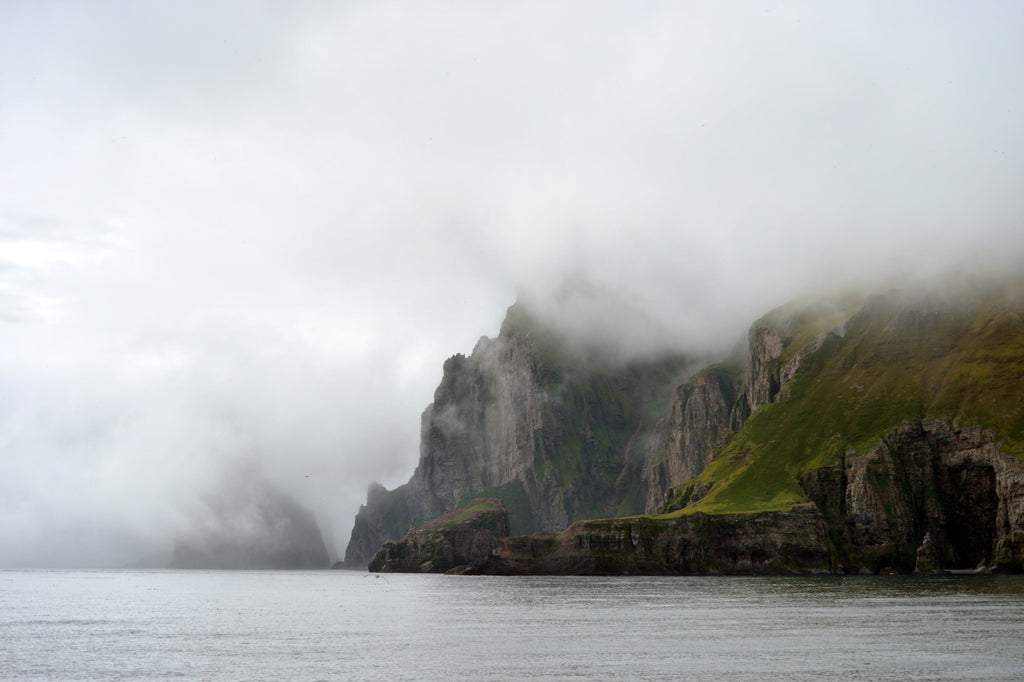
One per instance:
(249, 233)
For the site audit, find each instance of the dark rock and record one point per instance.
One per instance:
(555, 436)
(702, 416)
(794, 541)
(387, 515)
(559, 440)
(454, 539)
(932, 495)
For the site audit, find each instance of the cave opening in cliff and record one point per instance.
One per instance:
(972, 504)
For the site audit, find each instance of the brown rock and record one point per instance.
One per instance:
(794, 541)
(451, 540)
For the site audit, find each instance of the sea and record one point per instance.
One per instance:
(348, 625)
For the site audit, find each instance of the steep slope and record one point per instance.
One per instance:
(881, 433)
(902, 425)
(885, 435)
(556, 432)
(704, 411)
(898, 359)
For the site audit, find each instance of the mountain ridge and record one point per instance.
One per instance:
(555, 433)
(910, 402)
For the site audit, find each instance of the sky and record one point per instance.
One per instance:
(242, 235)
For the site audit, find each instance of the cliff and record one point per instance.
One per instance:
(250, 524)
(554, 433)
(903, 424)
(452, 540)
(704, 411)
(896, 359)
(773, 542)
(872, 433)
(931, 495)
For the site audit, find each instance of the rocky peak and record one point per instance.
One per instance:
(859, 417)
(765, 351)
(703, 413)
(557, 433)
(780, 340)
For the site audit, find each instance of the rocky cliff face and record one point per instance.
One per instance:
(479, 431)
(556, 435)
(704, 411)
(891, 426)
(932, 495)
(452, 540)
(779, 342)
(794, 541)
(765, 376)
(903, 424)
(559, 438)
(718, 400)
(385, 516)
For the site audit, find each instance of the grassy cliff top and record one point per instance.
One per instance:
(466, 514)
(896, 360)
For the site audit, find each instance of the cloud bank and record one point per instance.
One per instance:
(248, 235)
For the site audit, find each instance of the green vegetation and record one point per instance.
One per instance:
(893, 364)
(476, 507)
(590, 427)
(632, 500)
(865, 367)
(597, 411)
(808, 323)
(516, 501)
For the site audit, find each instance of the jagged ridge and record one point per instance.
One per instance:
(890, 422)
(898, 359)
(556, 434)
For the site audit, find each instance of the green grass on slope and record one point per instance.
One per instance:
(600, 406)
(809, 322)
(517, 503)
(892, 365)
(477, 507)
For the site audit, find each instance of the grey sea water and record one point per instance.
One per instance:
(341, 625)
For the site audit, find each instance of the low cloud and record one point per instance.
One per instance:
(232, 235)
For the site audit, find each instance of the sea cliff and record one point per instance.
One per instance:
(864, 434)
(452, 540)
(555, 436)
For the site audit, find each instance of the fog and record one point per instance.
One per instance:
(240, 234)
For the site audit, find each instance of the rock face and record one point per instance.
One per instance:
(903, 425)
(932, 495)
(452, 540)
(794, 541)
(386, 516)
(871, 434)
(718, 400)
(765, 377)
(705, 410)
(556, 435)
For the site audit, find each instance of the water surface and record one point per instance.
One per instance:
(338, 625)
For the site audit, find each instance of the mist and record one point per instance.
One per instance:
(249, 235)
